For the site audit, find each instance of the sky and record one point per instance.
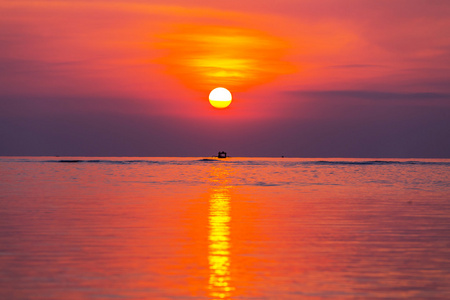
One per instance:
(309, 78)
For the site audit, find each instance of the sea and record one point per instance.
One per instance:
(234, 228)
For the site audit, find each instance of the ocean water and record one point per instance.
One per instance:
(238, 228)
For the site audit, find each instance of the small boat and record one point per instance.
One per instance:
(222, 154)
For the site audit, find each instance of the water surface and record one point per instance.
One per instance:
(240, 228)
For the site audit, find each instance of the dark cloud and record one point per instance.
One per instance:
(320, 124)
(354, 66)
(374, 95)
(26, 106)
(119, 134)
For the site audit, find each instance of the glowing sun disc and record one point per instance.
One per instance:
(220, 97)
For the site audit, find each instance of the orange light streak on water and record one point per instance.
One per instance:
(219, 244)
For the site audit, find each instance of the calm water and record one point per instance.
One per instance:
(240, 228)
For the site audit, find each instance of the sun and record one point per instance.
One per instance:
(220, 97)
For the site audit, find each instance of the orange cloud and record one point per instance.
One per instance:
(207, 56)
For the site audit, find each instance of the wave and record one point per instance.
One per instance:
(240, 161)
(380, 162)
(209, 160)
(103, 161)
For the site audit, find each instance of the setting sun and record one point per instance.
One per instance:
(220, 97)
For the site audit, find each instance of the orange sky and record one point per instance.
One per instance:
(161, 59)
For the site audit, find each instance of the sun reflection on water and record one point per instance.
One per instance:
(219, 241)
